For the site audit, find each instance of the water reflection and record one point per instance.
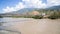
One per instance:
(3, 29)
(6, 22)
(1, 21)
(8, 32)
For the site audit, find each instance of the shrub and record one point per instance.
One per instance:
(54, 16)
(37, 17)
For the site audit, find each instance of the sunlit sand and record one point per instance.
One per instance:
(36, 26)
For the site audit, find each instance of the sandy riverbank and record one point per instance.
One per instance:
(39, 26)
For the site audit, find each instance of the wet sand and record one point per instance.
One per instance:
(36, 26)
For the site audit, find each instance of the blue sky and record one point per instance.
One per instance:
(10, 3)
(15, 5)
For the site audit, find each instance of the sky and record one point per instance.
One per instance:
(15, 5)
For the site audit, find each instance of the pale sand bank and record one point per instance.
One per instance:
(39, 26)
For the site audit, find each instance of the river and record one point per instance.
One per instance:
(29, 26)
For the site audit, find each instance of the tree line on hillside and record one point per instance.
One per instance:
(53, 14)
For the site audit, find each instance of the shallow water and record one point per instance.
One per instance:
(29, 26)
(7, 22)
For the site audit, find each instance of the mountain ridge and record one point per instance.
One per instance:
(25, 10)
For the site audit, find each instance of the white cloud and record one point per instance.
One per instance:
(17, 7)
(32, 4)
(39, 4)
(8, 9)
(53, 2)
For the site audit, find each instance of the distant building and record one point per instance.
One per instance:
(43, 14)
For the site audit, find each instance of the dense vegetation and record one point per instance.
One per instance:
(52, 14)
(55, 15)
(37, 17)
